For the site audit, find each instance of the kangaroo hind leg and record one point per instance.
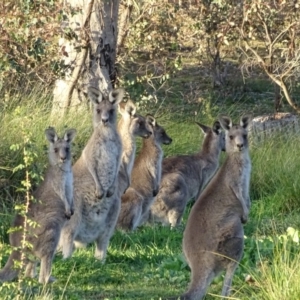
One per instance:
(45, 271)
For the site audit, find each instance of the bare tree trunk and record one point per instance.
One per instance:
(126, 7)
(89, 52)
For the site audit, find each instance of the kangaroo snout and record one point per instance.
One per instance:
(63, 158)
(147, 135)
(240, 146)
(104, 120)
(168, 141)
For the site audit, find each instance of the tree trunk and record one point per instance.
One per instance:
(126, 7)
(88, 51)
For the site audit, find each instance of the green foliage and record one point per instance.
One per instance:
(31, 176)
(28, 47)
(269, 184)
(273, 271)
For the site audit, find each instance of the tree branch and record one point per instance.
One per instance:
(280, 82)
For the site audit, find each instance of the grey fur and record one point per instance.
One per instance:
(95, 180)
(145, 178)
(130, 126)
(185, 176)
(213, 240)
(53, 207)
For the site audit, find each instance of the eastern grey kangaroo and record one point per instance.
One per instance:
(51, 209)
(145, 178)
(213, 239)
(130, 126)
(95, 180)
(185, 176)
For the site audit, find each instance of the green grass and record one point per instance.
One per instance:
(148, 263)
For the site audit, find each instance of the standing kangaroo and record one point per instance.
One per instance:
(130, 126)
(213, 239)
(184, 177)
(145, 178)
(53, 207)
(95, 180)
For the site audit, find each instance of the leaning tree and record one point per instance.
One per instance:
(88, 48)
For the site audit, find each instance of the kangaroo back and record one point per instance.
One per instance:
(185, 176)
(214, 238)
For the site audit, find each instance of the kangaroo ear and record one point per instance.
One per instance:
(116, 96)
(205, 129)
(130, 108)
(217, 127)
(70, 135)
(95, 95)
(51, 135)
(225, 122)
(245, 121)
(151, 120)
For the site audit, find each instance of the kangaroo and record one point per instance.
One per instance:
(95, 180)
(213, 239)
(130, 126)
(145, 178)
(184, 177)
(53, 207)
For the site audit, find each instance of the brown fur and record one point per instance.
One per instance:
(145, 178)
(214, 238)
(184, 177)
(130, 126)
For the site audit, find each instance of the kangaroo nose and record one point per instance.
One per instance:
(104, 120)
(240, 146)
(168, 141)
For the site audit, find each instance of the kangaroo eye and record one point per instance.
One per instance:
(98, 111)
(231, 137)
(245, 136)
(55, 150)
(67, 150)
(111, 111)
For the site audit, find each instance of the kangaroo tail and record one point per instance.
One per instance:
(9, 272)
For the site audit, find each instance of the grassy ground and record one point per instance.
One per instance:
(148, 263)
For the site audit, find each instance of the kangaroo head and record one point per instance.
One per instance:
(139, 127)
(214, 137)
(159, 133)
(127, 109)
(105, 107)
(236, 135)
(137, 123)
(59, 148)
